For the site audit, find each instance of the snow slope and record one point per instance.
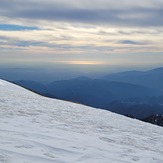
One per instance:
(37, 129)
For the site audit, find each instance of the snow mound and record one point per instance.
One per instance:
(37, 129)
(2, 82)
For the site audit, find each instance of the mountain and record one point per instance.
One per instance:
(95, 92)
(139, 111)
(155, 119)
(38, 129)
(32, 85)
(152, 78)
(151, 100)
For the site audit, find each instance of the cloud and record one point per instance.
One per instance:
(76, 38)
(132, 42)
(121, 13)
(134, 17)
(94, 26)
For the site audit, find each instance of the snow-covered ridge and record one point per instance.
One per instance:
(38, 129)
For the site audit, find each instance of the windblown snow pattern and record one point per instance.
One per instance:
(35, 129)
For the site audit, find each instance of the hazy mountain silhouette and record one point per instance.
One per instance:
(152, 78)
(139, 111)
(32, 85)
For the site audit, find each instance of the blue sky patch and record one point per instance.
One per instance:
(11, 27)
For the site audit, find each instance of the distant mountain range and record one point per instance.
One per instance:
(135, 93)
(152, 78)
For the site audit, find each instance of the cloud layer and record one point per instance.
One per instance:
(123, 13)
(81, 28)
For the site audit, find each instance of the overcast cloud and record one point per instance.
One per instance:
(123, 13)
(80, 28)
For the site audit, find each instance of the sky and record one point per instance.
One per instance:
(81, 34)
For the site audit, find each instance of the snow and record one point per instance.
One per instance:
(37, 129)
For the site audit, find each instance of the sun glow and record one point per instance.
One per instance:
(77, 62)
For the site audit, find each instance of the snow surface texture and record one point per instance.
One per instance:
(34, 129)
